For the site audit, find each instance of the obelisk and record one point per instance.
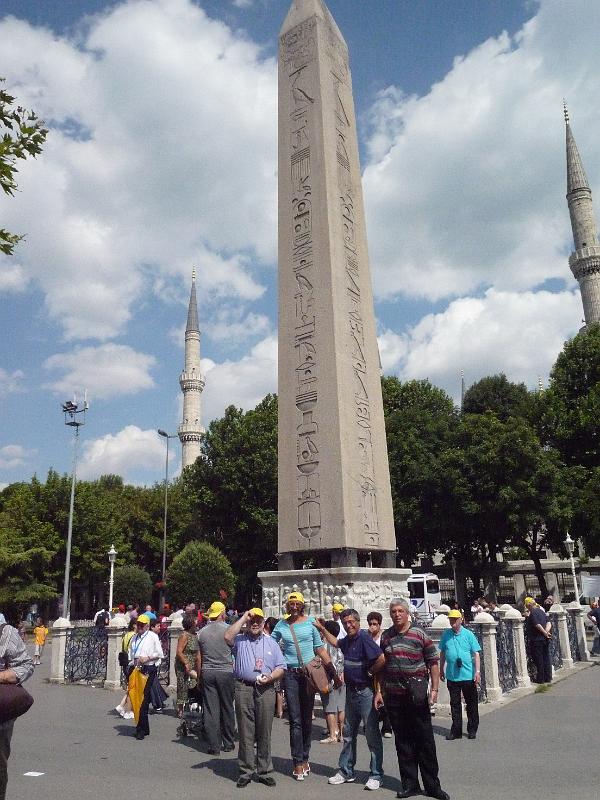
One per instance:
(335, 507)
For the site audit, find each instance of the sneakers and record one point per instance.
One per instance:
(388, 735)
(120, 711)
(128, 715)
(372, 784)
(338, 779)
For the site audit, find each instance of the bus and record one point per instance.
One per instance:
(424, 594)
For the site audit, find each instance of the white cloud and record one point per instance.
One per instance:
(392, 348)
(127, 453)
(236, 325)
(162, 154)
(10, 382)
(109, 370)
(241, 383)
(12, 276)
(465, 186)
(519, 334)
(13, 455)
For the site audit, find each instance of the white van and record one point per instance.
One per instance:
(424, 594)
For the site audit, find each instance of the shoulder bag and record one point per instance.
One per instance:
(14, 699)
(314, 670)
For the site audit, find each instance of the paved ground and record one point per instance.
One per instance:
(538, 747)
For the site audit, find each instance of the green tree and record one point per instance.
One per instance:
(201, 573)
(497, 394)
(132, 585)
(233, 490)
(22, 134)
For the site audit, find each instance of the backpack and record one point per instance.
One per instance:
(102, 620)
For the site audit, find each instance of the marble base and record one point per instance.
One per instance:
(362, 588)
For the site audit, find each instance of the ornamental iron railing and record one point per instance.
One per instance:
(86, 651)
(505, 650)
(573, 638)
(481, 689)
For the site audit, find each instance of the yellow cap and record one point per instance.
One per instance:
(216, 609)
(143, 619)
(257, 612)
(454, 613)
(529, 600)
(337, 607)
(295, 597)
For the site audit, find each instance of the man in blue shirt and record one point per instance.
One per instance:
(459, 663)
(258, 663)
(361, 657)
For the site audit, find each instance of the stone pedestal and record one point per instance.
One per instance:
(362, 588)
(115, 631)
(440, 624)
(577, 612)
(563, 635)
(175, 631)
(518, 623)
(489, 655)
(57, 662)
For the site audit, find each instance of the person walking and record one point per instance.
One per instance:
(539, 629)
(16, 665)
(258, 664)
(410, 659)
(217, 682)
(459, 665)
(361, 657)
(594, 617)
(187, 662)
(145, 652)
(298, 636)
(40, 633)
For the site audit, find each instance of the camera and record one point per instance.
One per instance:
(459, 663)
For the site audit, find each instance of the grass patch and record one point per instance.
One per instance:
(542, 687)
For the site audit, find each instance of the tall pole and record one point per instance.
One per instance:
(570, 547)
(164, 553)
(66, 601)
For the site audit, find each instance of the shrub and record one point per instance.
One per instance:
(132, 585)
(198, 573)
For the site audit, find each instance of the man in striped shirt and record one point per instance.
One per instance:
(410, 653)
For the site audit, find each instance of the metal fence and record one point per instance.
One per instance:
(505, 650)
(573, 638)
(86, 650)
(481, 689)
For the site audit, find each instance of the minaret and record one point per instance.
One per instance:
(192, 384)
(585, 259)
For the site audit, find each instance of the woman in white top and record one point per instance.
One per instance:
(145, 652)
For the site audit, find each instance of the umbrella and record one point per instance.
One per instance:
(137, 684)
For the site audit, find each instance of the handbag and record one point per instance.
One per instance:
(123, 659)
(14, 699)
(418, 690)
(315, 671)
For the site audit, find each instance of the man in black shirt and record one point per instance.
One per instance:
(540, 634)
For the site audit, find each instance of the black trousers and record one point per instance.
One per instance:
(218, 694)
(468, 689)
(143, 724)
(415, 745)
(540, 653)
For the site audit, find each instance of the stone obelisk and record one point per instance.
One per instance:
(335, 507)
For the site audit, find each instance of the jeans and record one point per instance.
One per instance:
(300, 702)
(469, 692)
(359, 708)
(540, 653)
(415, 745)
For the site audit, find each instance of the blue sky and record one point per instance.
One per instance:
(162, 156)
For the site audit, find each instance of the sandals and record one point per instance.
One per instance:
(330, 740)
(298, 773)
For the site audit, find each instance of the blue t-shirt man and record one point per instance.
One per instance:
(459, 645)
(360, 652)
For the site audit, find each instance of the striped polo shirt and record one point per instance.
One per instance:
(406, 654)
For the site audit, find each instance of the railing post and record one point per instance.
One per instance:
(175, 631)
(563, 635)
(59, 639)
(438, 626)
(488, 635)
(518, 624)
(577, 611)
(115, 631)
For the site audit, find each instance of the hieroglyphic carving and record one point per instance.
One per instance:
(298, 51)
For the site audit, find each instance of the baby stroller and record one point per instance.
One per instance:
(192, 723)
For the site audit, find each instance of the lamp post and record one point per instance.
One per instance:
(112, 557)
(70, 410)
(570, 546)
(166, 436)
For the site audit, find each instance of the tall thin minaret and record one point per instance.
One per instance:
(192, 384)
(585, 259)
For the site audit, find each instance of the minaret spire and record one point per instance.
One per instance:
(585, 259)
(192, 384)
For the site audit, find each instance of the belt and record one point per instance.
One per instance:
(246, 683)
(299, 670)
(354, 687)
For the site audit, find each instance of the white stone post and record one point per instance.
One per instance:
(518, 628)
(577, 612)
(59, 638)
(440, 624)
(488, 627)
(175, 631)
(115, 631)
(519, 587)
(563, 635)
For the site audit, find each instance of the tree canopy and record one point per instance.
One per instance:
(200, 572)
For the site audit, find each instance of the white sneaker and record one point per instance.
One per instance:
(338, 779)
(128, 715)
(120, 710)
(387, 735)
(372, 784)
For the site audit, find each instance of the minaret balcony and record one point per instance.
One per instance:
(189, 384)
(585, 261)
(193, 429)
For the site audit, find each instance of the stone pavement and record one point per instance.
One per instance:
(538, 747)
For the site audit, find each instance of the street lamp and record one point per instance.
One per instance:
(112, 557)
(166, 436)
(70, 410)
(570, 546)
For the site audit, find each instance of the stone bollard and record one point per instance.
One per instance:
(563, 635)
(443, 609)
(115, 631)
(59, 639)
(577, 612)
(175, 631)
(440, 624)
(488, 625)
(518, 626)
